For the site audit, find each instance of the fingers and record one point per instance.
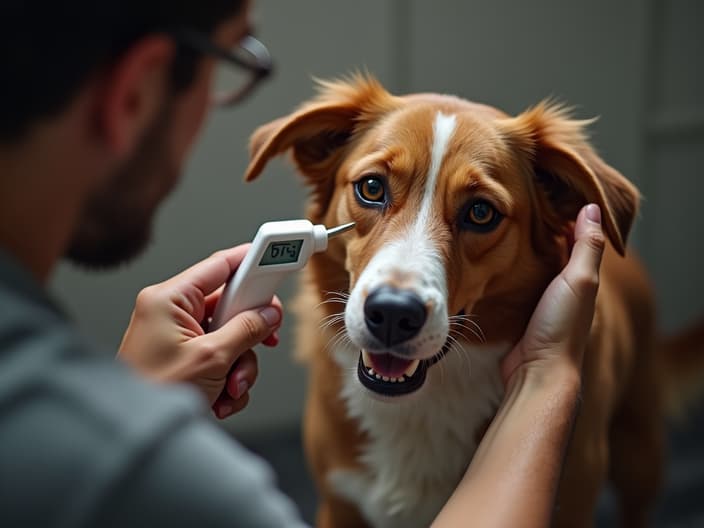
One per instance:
(225, 406)
(211, 273)
(272, 340)
(243, 375)
(241, 379)
(582, 270)
(558, 329)
(238, 335)
(251, 327)
(211, 302)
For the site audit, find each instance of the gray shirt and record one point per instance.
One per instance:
(84, 442)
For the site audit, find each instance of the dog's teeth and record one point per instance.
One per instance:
(412, 368)
(366, 359)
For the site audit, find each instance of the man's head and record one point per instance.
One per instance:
(50, 48)
(131, 92)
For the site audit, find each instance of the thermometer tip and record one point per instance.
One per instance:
(334, 231)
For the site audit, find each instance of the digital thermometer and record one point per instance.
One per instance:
(278, 249)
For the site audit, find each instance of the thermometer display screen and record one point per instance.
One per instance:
(281, 252)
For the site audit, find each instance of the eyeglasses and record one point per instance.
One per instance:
(250, 58)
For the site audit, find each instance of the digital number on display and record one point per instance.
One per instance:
(283, 252)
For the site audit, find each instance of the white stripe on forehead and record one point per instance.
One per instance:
(414, 254)
(443, 127)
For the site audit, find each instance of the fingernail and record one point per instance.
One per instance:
(594, 213)
(224, 410)
(242, 387)
(271, 315)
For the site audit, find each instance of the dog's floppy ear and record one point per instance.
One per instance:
(570, 172)
(317, 132)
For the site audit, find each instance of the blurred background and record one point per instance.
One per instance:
(637, 64)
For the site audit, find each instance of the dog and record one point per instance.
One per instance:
(463, 215)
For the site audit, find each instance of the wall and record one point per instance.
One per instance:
(636, 64)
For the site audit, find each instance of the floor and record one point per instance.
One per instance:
(681, 504)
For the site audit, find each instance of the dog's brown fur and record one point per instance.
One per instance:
(546, 171)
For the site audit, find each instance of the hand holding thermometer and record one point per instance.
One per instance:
(278, 249)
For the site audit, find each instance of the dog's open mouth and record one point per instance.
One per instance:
(390, 375)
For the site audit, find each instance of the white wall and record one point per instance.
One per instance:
(634, 63)
(213, 208)
(672, 161)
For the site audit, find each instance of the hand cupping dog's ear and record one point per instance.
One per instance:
(556, 335)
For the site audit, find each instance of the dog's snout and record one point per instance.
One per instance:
(393, 315)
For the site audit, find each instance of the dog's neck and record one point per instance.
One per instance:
(418, 448)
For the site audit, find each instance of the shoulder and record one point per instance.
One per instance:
(72, 421)
(118, 452)
(199, 477)
(87, 443)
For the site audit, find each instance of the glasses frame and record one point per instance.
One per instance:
(260, 68)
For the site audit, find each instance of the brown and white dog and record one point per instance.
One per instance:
(462, 214)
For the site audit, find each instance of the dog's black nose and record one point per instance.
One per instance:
(392, 315)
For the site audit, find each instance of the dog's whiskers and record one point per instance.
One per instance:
(334, 319)
(442, 372)
(332, 300)
(474, 328)
(339, 338)
(473, 332)
(332, 316)
(340, 297)
(331, 320)
(457, 347)
(336, 339)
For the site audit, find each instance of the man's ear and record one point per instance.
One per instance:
(570, 172)
(318, 133)
(134, 91)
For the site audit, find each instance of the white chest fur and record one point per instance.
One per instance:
(420, 445)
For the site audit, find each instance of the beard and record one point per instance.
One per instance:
(116, 222)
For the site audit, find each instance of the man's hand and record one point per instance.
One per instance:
(514, 474)
(557, 333)
(166, 339)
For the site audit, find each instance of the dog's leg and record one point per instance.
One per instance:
(636, 469)
(637, 446)
(330, 442)
(584, 474)
(587, 463)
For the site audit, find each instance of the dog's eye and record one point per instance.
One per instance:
(479, 215)
(370, 190)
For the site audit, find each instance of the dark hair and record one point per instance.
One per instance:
(48, 48)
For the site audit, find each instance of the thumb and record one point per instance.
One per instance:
(582, 270)
(560, 322)
(244, 331)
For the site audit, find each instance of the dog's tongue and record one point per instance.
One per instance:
(387, 364)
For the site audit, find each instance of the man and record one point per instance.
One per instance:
(99, 105)
(103, 103)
